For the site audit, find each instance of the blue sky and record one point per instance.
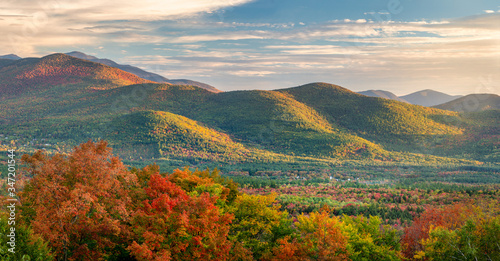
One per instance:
(400, 46)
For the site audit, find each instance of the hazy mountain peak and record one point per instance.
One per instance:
(10, 57)
(472, 102)
(81, 55)
(382, 94)
(429, 97)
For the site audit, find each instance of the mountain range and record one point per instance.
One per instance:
(426, 98)
(131, 69)
(472, 102)
(382, 94)
(64, 100)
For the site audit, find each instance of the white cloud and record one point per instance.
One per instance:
(28, 25)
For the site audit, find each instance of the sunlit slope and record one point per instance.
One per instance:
(173, 135)
(370, 114)
(32, 75)
(275, 121)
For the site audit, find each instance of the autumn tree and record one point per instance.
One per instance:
(320, 237)
(368, 239)
(173, 224)
(258, 223)
(449, 217)
(79, 202)
(477, 238)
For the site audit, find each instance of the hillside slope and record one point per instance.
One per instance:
(370, 115)
(170, 135)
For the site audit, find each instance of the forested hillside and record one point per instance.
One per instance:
(59, 101)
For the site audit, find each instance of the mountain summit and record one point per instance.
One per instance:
(382, 94)
(142, 73)
(429, 98)
(56, 70)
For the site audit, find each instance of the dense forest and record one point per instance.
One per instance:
(88, 205)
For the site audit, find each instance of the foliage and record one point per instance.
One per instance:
(461, 231)
(258, 223)
(173, 225)
(78, 203)
(370, 240)
(29, 246)
(88, 206)
(319, 238)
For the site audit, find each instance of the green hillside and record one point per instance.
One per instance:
(274, 121)
(394, 124)
(174, 136)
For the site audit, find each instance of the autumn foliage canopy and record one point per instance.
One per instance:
(89, 206)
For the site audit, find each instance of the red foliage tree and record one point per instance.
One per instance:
(78, 203)
(174, 225)
(450, 217)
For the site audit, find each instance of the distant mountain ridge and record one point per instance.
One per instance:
(382, 94)
(472, 103)
(429, 98)
(128, 68)
(10, 57)
(142, 73)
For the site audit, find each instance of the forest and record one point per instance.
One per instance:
(89, 205)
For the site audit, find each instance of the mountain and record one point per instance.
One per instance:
(10, 57)
(32, 75)
(128, 68)
(428, 98)
(382, 94)
(141, 73)
(472, 102)
(369, 115)
(62, 101)
(194, 83)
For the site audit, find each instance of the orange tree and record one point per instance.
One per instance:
(78, 203)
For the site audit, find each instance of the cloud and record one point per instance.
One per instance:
(112, 10)
(30, 26)
(450, 54)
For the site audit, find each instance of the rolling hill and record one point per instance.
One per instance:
(370, 115)
(428, 98)
(472, 102)
(71, 100)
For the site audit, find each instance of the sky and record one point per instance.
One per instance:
(402, 46)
